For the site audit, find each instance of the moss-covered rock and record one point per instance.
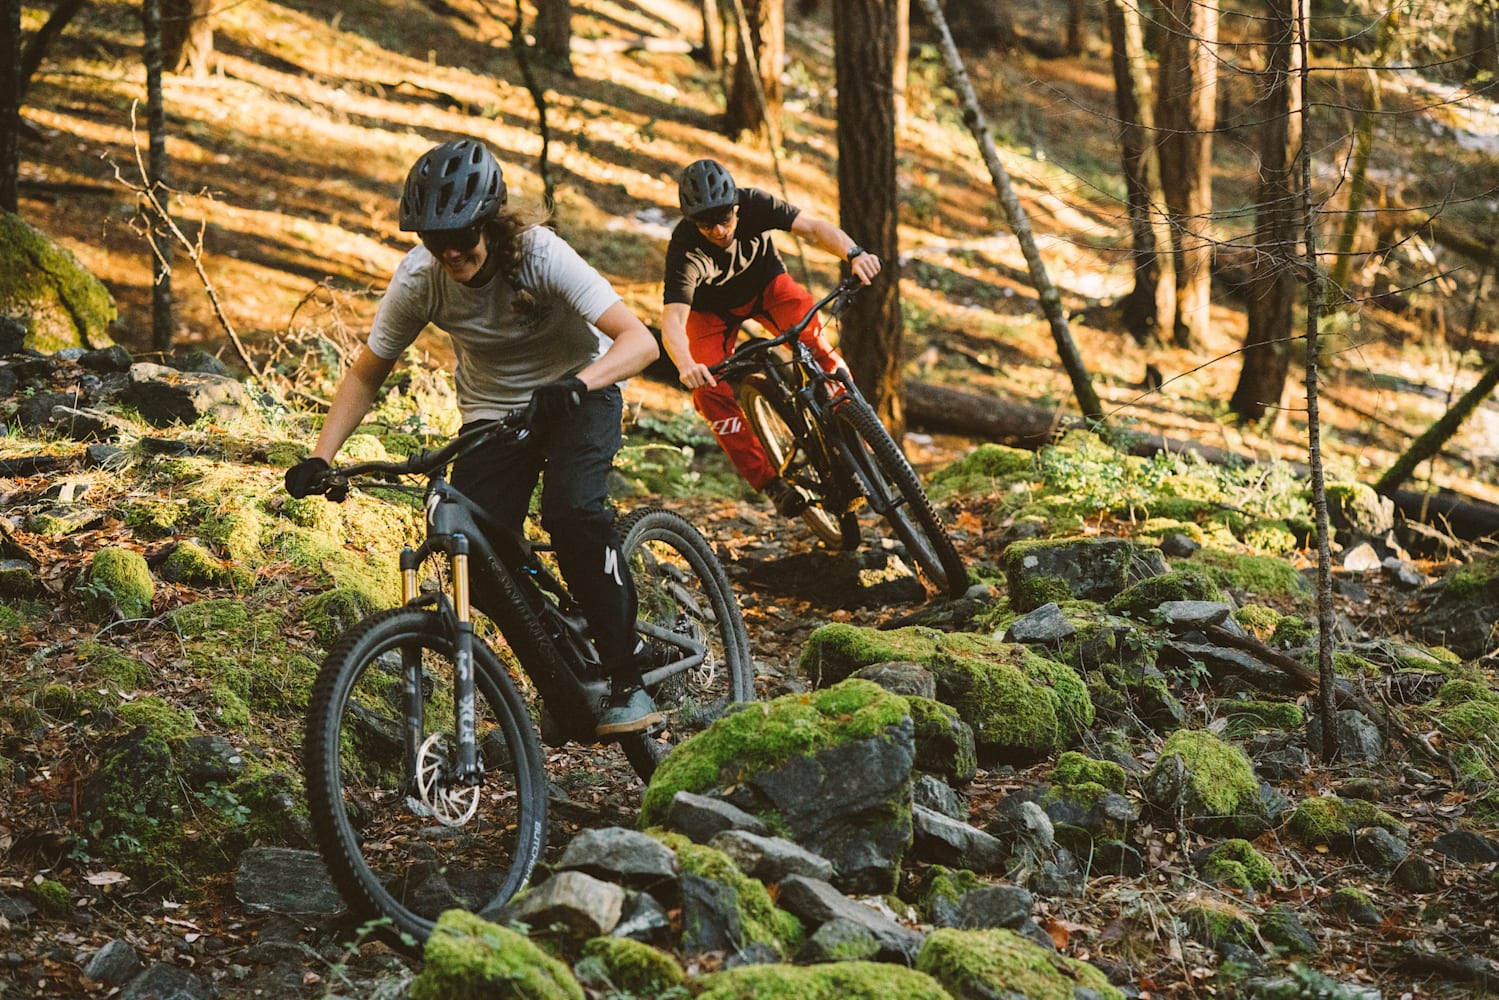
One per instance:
(1074, 768)
(1016, 701)
(1246, 716)
(972, 965)
(1236, 864)
(1260, 576)
(1462, 616)
(1087, 568)
(1333, 821)
(832, 981)
(986, 469)
(192, 564)
(1473, 740)
(770, 735)
(118, 581)
(45, 286)
(634, 968)
(1216, 922)
(944, 742)
(467, 956)
(52, 897)
(760, 920)
(1188, 583)
(1210, 780)
(941, 889)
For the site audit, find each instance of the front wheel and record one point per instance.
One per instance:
(894, 491)
(686, 609)
(400, 839)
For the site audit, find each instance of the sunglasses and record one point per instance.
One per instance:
(715, 219)
(442, 240)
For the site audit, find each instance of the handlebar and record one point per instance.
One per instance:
(335, 482)
(845, 290)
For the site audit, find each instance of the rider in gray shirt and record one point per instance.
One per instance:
(535, 327)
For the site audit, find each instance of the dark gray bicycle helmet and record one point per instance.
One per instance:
(706, 187)
(452, 186)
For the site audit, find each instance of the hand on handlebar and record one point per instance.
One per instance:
(695, 376)
(307, 477)
(865, 267)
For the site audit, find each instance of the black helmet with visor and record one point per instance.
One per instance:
(454, 188)
(706, 192)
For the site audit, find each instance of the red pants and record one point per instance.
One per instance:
(710, 337)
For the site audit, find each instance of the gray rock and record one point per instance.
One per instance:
(1184, 616)
(1415, 874)
(770, 859)
(207, 760)
(1046, 626)
(937, 795)
(286, 880)
(643, 918)
(1281, 926)
(1359, 739)
(106, 359)
(901, 677)
(1177, 545)
(949, 842)
(994, 906)
(710, 916)
(587, 907)
(816, 902)
(839, 940)
(85, 424)
(628, 857)
(114, 964)
(1092, 569)
(1025, 829)
(1379, 848)
(165, 395)
(163, 982)
(700, 818)
(1467, 848)
(1362, 558)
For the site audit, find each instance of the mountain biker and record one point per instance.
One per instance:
(533, 326)
(722, 268)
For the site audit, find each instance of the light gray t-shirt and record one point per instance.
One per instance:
(502, 355)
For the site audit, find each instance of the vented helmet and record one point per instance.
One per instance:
(455, 185)
(706, 187)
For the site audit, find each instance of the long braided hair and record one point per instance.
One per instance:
(503, 235)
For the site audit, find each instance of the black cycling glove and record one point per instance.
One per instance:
(551, 403)
(305, 476)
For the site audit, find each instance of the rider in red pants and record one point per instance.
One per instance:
(722, 268)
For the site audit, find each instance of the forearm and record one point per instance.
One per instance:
(355, 394)
(631, 351)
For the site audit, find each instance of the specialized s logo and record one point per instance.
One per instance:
(727, 426)
(611, 565)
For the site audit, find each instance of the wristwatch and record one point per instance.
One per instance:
(853, 252)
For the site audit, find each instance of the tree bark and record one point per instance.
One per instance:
(10, 108)
(1149, 310)
(1185, 108)
(866, 32)
(712, 34)
(187, 37)
(1019, 222)
(553, 29)
(755, 97)
(1272, 289)
(158, 234)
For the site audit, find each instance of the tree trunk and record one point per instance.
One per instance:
(902, 65)
(1358, 174)
(1076, 37)
(553, 29)
(36, 49)
(1272, 289)
(1019, 222)
(753, 102)
(712, 34)
(866, 32)
(187, 37)
(1149, 310)
(10, 108)
(158, 233)
(1185, 112)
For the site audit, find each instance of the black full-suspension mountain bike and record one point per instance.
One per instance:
(823, 436)
(424, 769)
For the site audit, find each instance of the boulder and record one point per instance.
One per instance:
(42, 285)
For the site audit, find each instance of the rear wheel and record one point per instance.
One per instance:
(762, 408)
(895, 492)
(685, 603)
(399, 838)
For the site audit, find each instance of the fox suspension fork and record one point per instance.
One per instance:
(446, 777)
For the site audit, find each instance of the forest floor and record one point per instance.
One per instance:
(287, 162)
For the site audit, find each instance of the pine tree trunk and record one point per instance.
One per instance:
(158, 235)
(1149, 310)
(866, 33)
(1186, 99)
(754, 99)
(10, 108)
(1272, 290)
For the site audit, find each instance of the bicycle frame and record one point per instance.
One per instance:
(534, 611)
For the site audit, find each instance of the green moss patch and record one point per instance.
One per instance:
(1235, 863)
(1002, 963)
(1221, 781)
(118, 580)
(467, 956)
(1261, 576)
(1330, 820)
(1074, 768)
(761, 920)
(833, 981)
(632, 967)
